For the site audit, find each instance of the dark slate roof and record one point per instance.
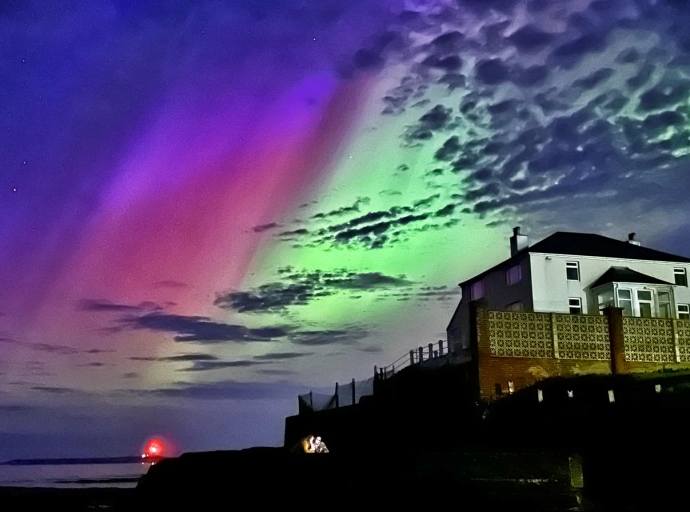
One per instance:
(587, 244)
(626, 275)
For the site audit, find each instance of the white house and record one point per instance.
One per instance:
(577, 273)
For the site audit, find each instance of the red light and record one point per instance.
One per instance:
(154, 448)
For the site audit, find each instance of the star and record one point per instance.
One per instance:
(14, 190)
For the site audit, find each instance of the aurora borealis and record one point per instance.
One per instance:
(207, 207)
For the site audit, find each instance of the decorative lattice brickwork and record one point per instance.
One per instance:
(520, 334)
(649, 340)
(582, 337)
(683, 331)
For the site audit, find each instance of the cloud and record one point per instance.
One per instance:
(281, 356)
(345, 210)
(265, 227)
(328, 337)
(105, 306)
(299, 288)
(41, 347)
(188, 358)
(530, 39)
(224, 390)
(15, 408)
(55, 390)
(204, 366)
(201, 329)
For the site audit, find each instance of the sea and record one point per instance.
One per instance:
(72, 474)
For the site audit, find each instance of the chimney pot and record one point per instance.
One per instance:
(516, 230)
(631, 239)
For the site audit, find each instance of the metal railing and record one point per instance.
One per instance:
(345, 395)
(413, 357)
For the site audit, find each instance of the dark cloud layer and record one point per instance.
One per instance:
(202, 329)
(298, 288)
(224, 390)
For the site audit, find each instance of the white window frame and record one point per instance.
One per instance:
(576, 266)
(473, 290)
(571, 304)
(669, 302)
(509, 278)
(683, 309)
(631, 299)
(680, 271)
(651, 302)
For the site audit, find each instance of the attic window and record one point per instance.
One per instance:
(477, 290)
(681, 276)
(572, 270)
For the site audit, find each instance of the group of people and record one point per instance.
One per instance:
(313, 444)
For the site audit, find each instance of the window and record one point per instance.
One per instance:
(575, 306)
(572, 270)
(477, 290)
(513, 275)
(644, 303)
(605, 298)
(681, 276)
(515, 306)
(664, 304)
(625, 301)
(683, 312)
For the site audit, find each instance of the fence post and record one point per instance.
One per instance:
(354, 401)
(376, 372)
(337, 398)
(440, 347)
(421, 354)
(676, 346)
(431, 350)
(411, 357)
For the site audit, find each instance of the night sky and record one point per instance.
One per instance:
(208, 207)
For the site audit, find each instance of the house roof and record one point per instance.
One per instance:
(626, 275)
(587, 244)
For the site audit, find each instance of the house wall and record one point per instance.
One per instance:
(497, 295)
(551, 289)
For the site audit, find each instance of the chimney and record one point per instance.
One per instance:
(518, 241)
(631, 239)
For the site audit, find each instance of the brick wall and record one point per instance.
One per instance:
(515, 350)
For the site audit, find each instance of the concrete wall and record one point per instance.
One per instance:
(551, 289)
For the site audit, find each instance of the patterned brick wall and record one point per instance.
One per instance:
(518, 349)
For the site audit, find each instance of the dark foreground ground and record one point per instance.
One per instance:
(471, 480)
(30, 499)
